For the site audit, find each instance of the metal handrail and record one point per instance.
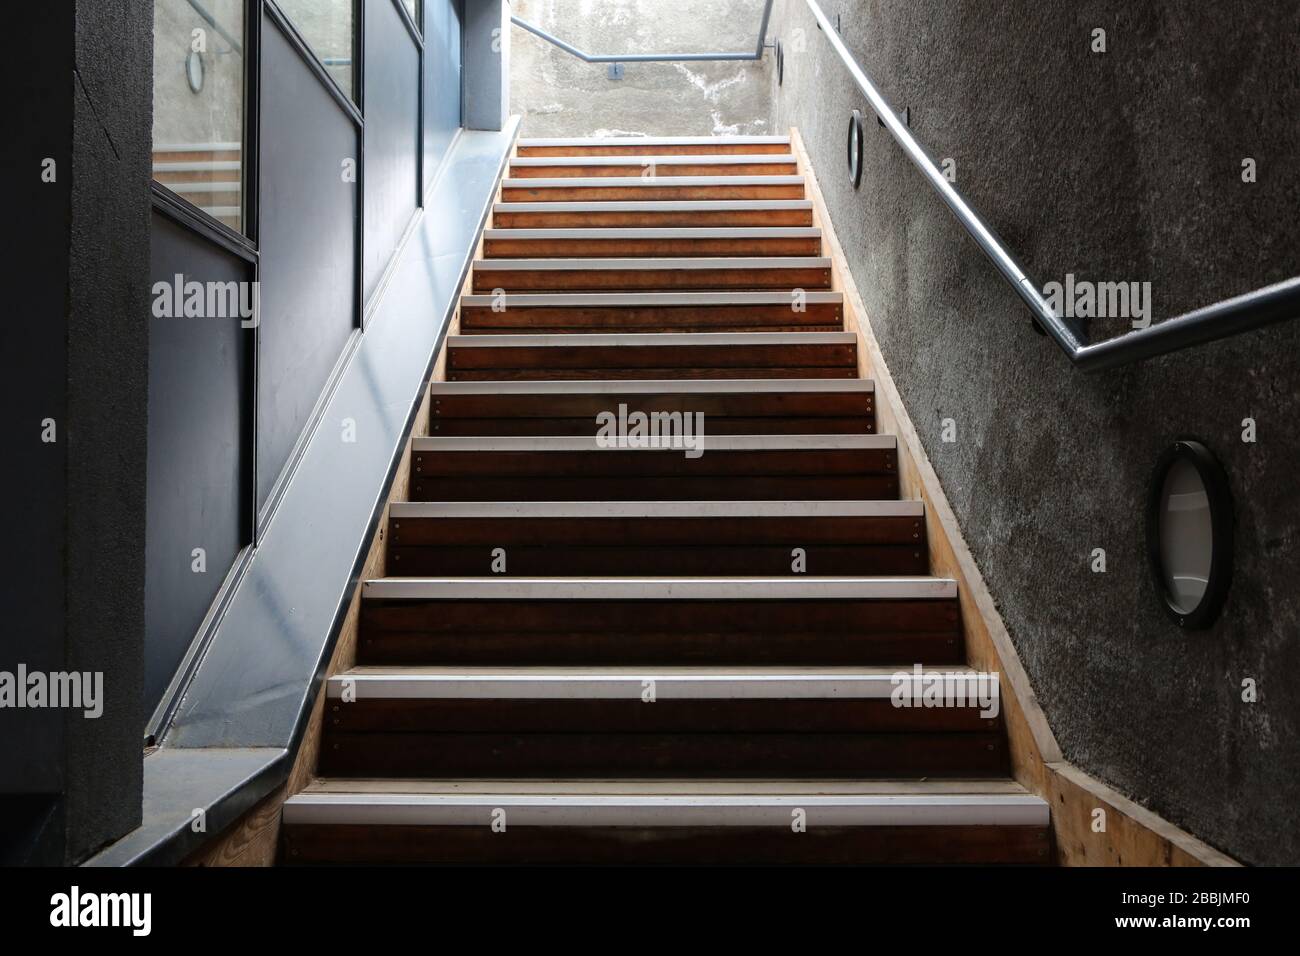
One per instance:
(212, 22)
(652, 57)
(1230, 317)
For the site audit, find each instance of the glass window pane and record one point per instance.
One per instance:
(198, 103)
(327, 27)
(413, 7)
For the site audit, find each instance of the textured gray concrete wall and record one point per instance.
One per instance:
(560, 95)
(107, 427)
(216, 114)
(1123, 165)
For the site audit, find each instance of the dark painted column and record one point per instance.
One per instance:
(75, 392)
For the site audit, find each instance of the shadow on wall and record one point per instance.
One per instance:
(560, 95)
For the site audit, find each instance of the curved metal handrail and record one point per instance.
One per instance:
(652, 57)
(1229, 317)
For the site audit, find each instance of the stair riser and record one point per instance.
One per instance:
(758, 167)
(795, 648)
(649, 280)
(845, 546)
(573, 427)
(653, 464)
(812, 633)
(699, 560)
(816, 317)
(605, 755)
(668, 845)
(713, 488)
(659, 192)
(648, 248)
(664, 475)
(633, 716)
(685, 219)
(640, 362)
(758, 413)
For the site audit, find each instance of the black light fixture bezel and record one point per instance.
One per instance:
(855, 155)
(1219, 496)
(780, 63)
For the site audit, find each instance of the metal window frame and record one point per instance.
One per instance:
(245, 244)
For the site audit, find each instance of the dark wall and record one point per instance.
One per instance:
(199, 493)
(34, 389)
(76, 352)
(108, 375)
(1118, 166)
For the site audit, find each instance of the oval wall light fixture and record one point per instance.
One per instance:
(855, 148)
(1189, 533)
(194, 71)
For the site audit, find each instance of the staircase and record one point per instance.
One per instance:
(209, 175)
(637, 654)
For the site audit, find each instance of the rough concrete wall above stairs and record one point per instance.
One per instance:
(560, 95)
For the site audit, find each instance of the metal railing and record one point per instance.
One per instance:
(1229, 317)
(652, 57)
(211, 21)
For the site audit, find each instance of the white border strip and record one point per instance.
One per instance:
(661, 589)
(650, 232)
(601, 510)
(570, 299)
(673, 386)
(675, 810)
(683, 159)
(477, 683)
(715, 443)
(623, 182)
(652, 265)
(660, 205)
(657, 141)
(604, 340)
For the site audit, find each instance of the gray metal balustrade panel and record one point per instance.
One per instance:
(256, 685)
